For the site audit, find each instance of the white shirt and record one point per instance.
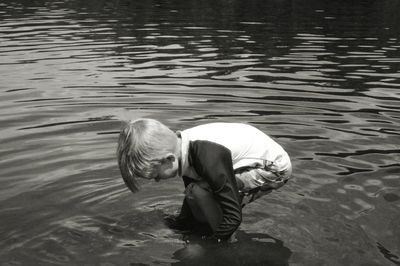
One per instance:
(248, 145)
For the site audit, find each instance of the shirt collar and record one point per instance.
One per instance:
(183, 160)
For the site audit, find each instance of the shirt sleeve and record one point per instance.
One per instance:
(213, 162)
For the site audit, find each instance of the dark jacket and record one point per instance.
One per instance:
(213, 163)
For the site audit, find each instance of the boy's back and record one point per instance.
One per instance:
(247, 144)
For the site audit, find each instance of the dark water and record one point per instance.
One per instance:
(321, 77)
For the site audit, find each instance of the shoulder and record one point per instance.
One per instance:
(208, 150)
(211, 161)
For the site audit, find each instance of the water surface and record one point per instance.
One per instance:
(321, 77)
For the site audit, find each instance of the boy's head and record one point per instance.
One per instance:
(147, 149)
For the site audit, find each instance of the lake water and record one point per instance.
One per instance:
(321, 77)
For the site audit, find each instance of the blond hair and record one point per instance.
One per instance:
(142, 144)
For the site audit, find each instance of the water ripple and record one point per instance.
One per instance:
(321, 79)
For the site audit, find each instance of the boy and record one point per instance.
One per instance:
(220, 164)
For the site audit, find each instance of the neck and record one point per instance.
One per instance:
(179, 146)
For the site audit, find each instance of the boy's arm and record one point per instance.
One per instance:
(213, 162)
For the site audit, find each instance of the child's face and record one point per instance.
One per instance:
(168, 168)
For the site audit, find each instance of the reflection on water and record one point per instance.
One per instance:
(249, 249)
(322, 78)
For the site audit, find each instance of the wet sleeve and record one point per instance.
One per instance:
(213, 162)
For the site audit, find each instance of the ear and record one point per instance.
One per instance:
(170, 157)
